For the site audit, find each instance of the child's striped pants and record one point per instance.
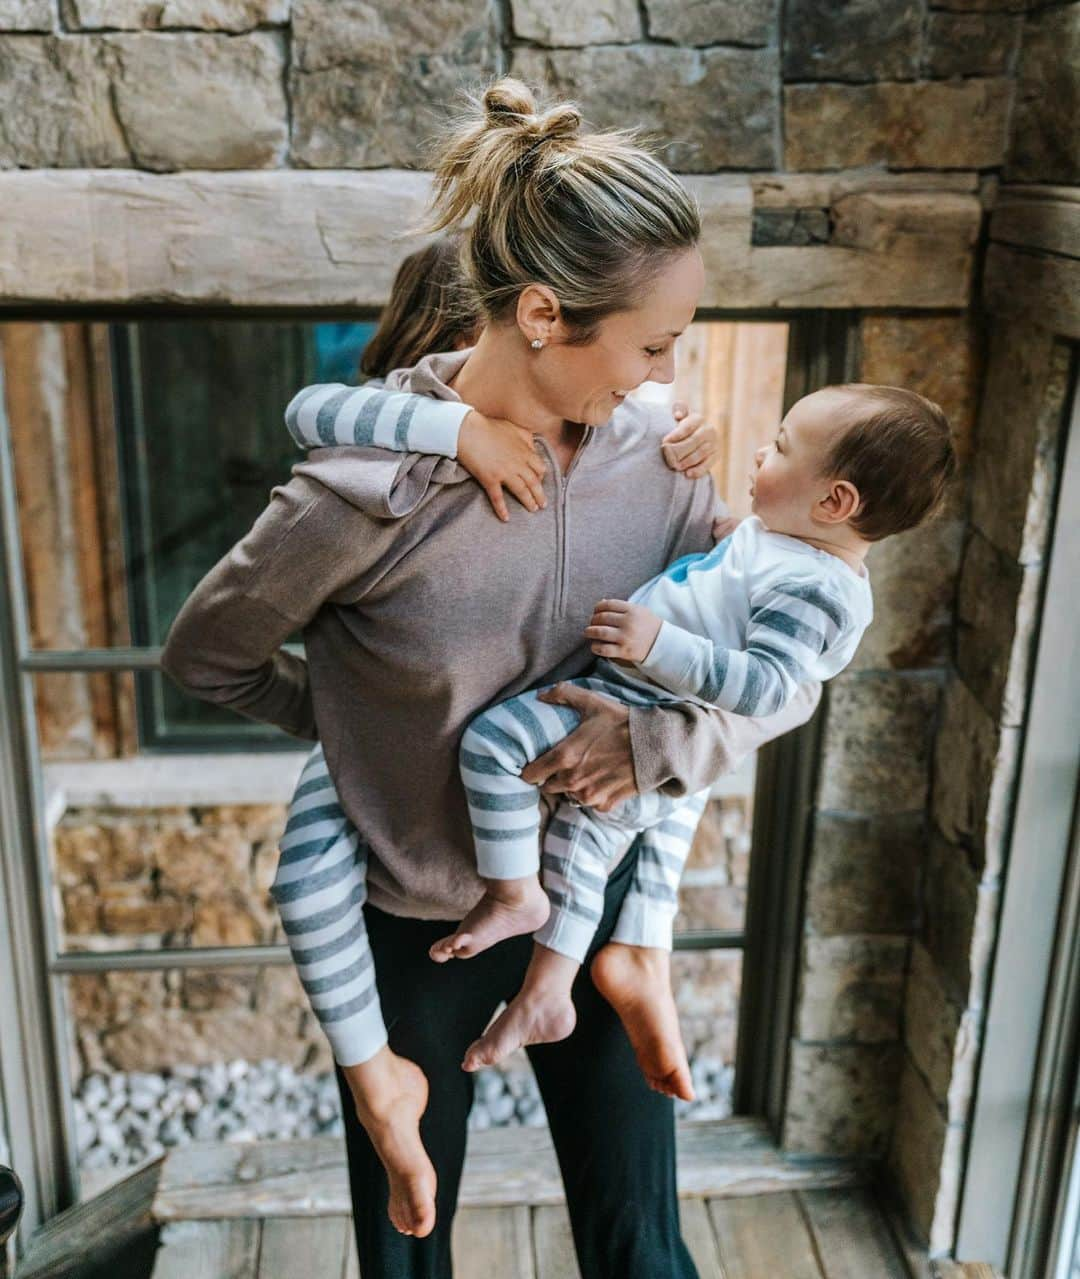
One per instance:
(320, 886)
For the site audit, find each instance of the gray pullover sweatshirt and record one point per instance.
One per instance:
(419, 609)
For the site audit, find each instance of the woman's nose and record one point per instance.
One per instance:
(665, 370)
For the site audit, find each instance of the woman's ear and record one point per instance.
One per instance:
(840, 504)
(539, 315)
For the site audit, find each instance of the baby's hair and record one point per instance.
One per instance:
(428, 310)
(594, 216)
(896, 448)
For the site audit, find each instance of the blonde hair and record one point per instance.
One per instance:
(594, 216)
(428, 310)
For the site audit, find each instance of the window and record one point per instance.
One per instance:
(141, 453)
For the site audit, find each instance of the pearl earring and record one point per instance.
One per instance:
(536, 344)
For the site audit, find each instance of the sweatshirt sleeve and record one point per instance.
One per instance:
(792, 624)
(681, 748)
(331, 414)
(225, 645)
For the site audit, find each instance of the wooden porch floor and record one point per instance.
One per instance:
(280, 1210)
(809, 1234)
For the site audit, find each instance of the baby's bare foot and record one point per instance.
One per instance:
(391, 1095)
(636, 982)
(527, 1019)
(509, 908)
(542, 1011)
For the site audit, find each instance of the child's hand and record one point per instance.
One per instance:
(501, 454)
(622, 630)
(692, 446)
(723, 526)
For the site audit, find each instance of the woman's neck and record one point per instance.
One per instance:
(497, 380)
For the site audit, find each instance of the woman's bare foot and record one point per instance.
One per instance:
(391, 1095)
(509, 908)
(636, 982)
(542, 1011)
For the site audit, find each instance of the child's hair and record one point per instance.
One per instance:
(594, 216)
(897, 450)
(428, 310)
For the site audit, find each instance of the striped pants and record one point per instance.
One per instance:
(320, 885)
(581, 845)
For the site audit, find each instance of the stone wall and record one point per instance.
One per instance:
(347, 84)
(1031, 289)
(862, 135)
(200, 876)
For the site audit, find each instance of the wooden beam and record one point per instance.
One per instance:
(102, 1232)
(1046, 219)
(1040, 287)
(333, 239)
(214, 1180)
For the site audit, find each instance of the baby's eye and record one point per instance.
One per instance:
(653, 351)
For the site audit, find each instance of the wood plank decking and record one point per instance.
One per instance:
(279, 1210)
(809, 1234)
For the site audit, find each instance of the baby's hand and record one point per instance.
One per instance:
(692, 446)
(723, 526)
(501, 454)
(622, 630)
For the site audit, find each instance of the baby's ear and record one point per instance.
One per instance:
(840, 504)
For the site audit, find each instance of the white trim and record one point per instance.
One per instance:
(166, 781)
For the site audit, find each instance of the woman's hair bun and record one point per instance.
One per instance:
(509, 104)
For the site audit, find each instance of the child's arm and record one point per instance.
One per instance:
(791, 625)
(497, 453)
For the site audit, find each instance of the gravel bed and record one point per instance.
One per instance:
(125, 1119)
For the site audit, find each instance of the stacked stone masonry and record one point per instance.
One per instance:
(168, 85)
(185, 877)
(865, 154)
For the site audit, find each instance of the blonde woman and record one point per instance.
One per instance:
(581, 253)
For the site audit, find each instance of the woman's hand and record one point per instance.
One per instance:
(594, 765)
(692, 446)
(623, 631)
(501, 454)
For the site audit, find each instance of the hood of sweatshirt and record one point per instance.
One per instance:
(380, 483)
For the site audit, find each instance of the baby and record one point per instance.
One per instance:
(783, 599)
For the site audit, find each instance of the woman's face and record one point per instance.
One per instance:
(587, 383)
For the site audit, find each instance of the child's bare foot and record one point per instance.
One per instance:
(542, 1012)
(509, 908)
(391, 1095)
(636, 982)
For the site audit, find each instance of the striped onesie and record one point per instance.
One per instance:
(743, 626)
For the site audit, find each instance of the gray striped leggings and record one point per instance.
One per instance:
(320, 885)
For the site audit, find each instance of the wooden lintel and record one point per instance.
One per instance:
(330, 239)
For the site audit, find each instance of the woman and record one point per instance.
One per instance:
(583, 259)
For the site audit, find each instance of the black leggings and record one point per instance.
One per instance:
(614, 1136)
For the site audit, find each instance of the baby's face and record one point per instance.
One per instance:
(788, 479)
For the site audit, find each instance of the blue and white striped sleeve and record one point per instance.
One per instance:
(792, 624)
(331, 413)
